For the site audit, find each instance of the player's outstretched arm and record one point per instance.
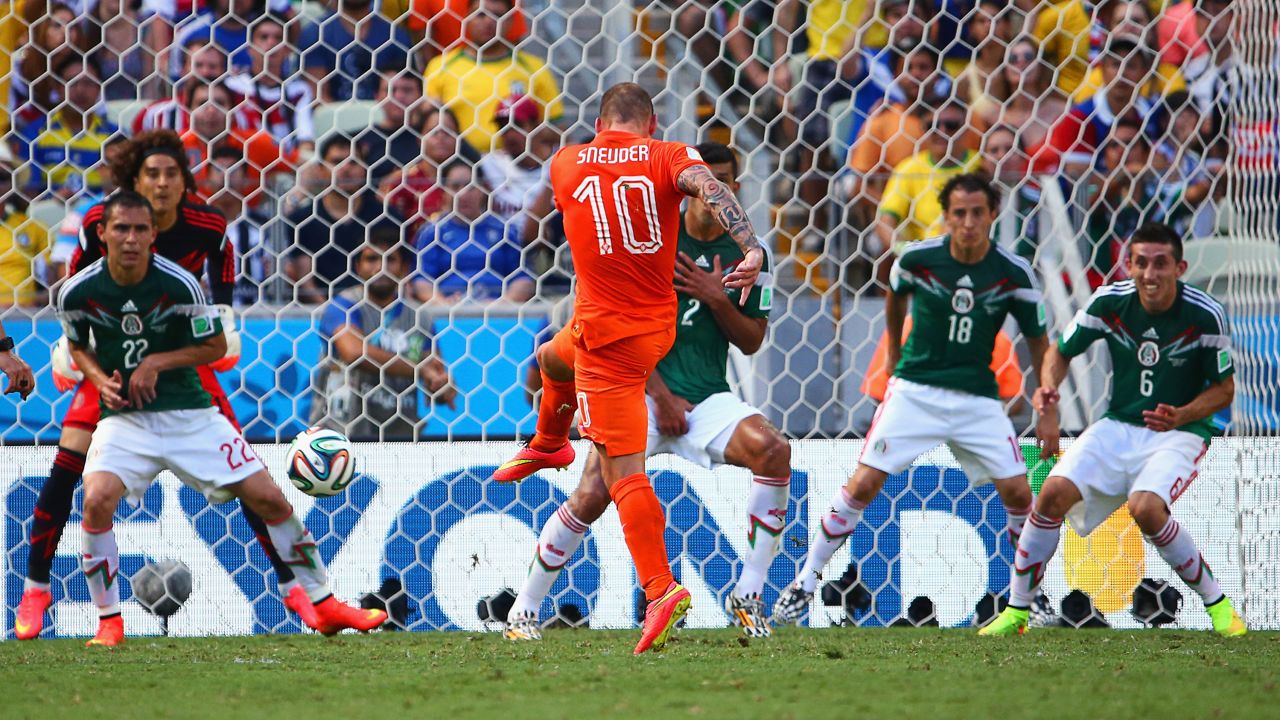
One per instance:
(895, 317)
(1214, 398)
(697, 181)
(672, 411)
(1053, 371)
(21, 380)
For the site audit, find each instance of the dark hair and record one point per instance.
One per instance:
(714, 153)
(1005, 127)
(627, 102)
(970, 182)
(70, 59)
(1159, 234)
(126, 199)
(387, 239)
(898, 56)
(1122, 46)
(335, 140)
(190, 87)
(263, 20)
(128, 165)
(224, 151)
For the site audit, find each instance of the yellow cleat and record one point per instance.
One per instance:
(1226, 621)
(1012, 621)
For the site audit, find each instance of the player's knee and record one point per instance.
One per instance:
(75, 439)
(1015, 493)
(774, 456)
(589, 503)
(264, 497)
(866, 483)
(552, 365)
(1149, 512)
(1056, 497)
(101, 495)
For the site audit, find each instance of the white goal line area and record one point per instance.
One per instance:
(427, 515)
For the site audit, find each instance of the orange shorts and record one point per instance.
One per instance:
(610, 382)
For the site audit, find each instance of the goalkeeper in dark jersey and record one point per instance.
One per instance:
(193, 235)
(693, 414)
(1171, 371)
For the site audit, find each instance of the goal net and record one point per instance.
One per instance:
(319, 144)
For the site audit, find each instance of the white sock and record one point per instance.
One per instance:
(286, 587)
(767, 517)
(835, 528)
(1178, 549)
(1017, 517)
(1038, 543)
(101, 565)
(293, 541)
(557, 543)
(29, 584)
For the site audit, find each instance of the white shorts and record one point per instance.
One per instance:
(201, 447)
(1112, 460)
(711, 426)
(915, 418)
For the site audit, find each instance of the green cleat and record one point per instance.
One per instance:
(1011, 621)
(1226, 621)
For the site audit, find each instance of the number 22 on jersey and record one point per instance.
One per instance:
(591, 192)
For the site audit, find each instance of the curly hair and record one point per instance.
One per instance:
(128, 164)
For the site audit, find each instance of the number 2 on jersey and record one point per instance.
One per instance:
(133, 352)
(687, 318)
(590, 192)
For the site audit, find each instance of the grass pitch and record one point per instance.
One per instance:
(799, 673)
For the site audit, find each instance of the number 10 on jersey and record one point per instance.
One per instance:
(590, 192)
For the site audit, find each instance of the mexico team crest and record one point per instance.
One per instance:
(962, 300)
(131, 324)
(1148, 354)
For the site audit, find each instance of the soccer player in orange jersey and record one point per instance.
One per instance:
(620, 196)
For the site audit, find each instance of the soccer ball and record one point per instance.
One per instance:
(162, 587)
(321, 462)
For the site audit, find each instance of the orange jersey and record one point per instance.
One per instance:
(621, 212)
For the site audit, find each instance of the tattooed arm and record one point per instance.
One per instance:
(698, 182)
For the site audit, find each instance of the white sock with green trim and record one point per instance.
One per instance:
(836, 526)
(1178, 549)
(766, 518)
(101, 566)
(558, 541)
(298, 549)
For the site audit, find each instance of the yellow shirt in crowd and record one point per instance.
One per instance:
(22, 240)
(829, 24)
(1062, 30)
(911, 197)
(472, 89)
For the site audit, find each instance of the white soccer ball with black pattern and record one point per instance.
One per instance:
(321, 462)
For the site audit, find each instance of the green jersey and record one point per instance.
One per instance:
(166, 311)
(695, 367)
(1167, 358)
(958, 309)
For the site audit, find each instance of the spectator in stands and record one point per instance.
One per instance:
(1062, 28)
(517, 170)
(439, 22)
(415, 193)
(1132, 19)
(112, 37)
(225, 24)
(1214, 77)
(204, 63)
(328, 232)
(1022, 95)
(227, 186)
(378, 352)
(910, 210)
(1178, 34)
(68, 239)
(1076, 137)
(1005, 162)
(350, 51)
(1127, 197)
(472, 79)
(33, 90)
(894, 130)
(470, 253)
(265, 100)
(394, 143)
(990, 31)
(23, 245)
(65, 147)
(1186, 175)
(712, 28)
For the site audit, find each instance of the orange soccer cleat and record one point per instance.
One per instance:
(529, 461)
(661, 617)
(300, 604)
(110, 632)
(334, 616)
(30, 619)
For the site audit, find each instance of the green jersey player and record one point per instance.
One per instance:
(1171, 371)
(693, 414)
(961, 286)
(150, 327)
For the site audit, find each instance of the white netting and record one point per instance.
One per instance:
(1092, 118)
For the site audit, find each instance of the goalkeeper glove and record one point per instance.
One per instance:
(232, 335)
